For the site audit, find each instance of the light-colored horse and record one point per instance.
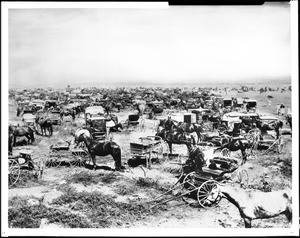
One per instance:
(78, 133)
(257, 204)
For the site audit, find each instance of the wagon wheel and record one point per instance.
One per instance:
(80, 158)
(189, 181)
(242, 178)
(13, 172)
(162, 152)
(280, 144)
(208, 193)
(225, 152)
(53, 162)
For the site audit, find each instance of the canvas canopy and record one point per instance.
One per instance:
(94, 110)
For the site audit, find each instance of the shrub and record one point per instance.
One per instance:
(24, 215)
(88, 178)
(102, 210)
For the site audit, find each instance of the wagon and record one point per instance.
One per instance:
(99, 125)
(55, 117)
(29, 119)
(148, 148)
(134, 121)
(202, 184)
(23, 160)
(63, 154)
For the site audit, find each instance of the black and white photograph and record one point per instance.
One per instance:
(146, 119)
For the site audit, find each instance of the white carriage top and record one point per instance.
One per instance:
(29, 117)
(94, 110)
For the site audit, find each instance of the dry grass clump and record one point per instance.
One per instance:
(22, 214)
(102, 210)
(87, 178)
(27, 178)
(125, 190)
(151, 183)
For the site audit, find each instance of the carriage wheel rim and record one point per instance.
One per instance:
(188, 180)
(204, 191)
(13, 172)
(78, 162)
(53, 162)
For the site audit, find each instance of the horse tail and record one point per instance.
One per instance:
(116, 154)
(51, 128)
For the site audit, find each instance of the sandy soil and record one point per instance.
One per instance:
(176, 213)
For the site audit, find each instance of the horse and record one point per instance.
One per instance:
(257, 204)
(26, 131)
(235, 144)
(175, 137)
(190, 128)
(289, 120)
(45, 124)
(19, 110)
(78, 133)
(266, 127)
(102, 148)
(140, 106)
(10, 142)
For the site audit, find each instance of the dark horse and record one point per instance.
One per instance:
(175, 137)
(26, 131)
(102, 148)
(190, 128)
(45, 124)
(10, 142)
(235, 144)
(289, 120)
(267, 127)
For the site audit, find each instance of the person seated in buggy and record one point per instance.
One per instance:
(196, 160)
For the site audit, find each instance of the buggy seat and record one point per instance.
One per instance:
(133, 119)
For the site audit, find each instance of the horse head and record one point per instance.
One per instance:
(79, 135)
(11, 129)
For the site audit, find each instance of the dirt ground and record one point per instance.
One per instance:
(125, 188)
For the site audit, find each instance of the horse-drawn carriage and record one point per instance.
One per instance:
(268, 137)
(18, 163)
(134, 122)
(61, 153)
(50, 103)
(202, 184)
(149, 149)
(55, 117)
(251, 105)
(29, 119)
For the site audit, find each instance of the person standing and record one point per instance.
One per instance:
(282, 109)
(277, 109)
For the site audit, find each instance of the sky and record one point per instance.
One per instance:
(183, 44)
